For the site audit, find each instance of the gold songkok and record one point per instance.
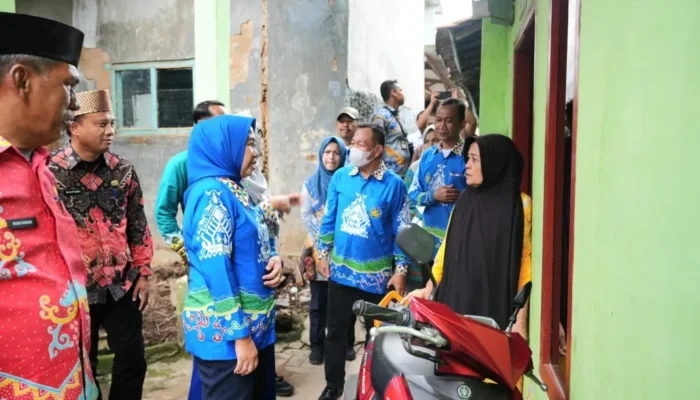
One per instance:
(94, 101)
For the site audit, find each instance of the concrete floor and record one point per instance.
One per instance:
(171, 381)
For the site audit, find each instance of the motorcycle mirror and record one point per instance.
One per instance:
(522, 296)
(417, 243)
(518, 303)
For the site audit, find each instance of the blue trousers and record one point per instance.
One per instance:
(220, 383)
(195, 384)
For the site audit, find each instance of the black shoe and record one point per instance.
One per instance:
(331, 394)
(316, 356)
(350, 353)
(283, 388)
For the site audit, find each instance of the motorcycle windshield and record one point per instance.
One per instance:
(487, 351)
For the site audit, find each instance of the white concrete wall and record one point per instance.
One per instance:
(430, 28)
(385, 41)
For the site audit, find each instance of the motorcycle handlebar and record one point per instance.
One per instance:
(362, 308)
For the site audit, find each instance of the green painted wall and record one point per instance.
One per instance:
(636, 258)
(7, 5)
(636, 268)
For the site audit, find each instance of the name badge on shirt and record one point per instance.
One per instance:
(21, 223)
(72, 192)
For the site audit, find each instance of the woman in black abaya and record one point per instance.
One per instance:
(485, 257)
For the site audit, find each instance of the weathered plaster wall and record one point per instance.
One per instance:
(307, 64)
(59, 10)
(145, 31)
(385, 41)
(149, 154)
(244, 61)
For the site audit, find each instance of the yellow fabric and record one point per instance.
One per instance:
(526, 260)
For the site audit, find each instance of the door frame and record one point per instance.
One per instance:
(523, 91)
(552, 375)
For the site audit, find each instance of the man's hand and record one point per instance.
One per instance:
(247, 356)
(141, 292)
(274, 267)
(446, 194)
(434, 99)
(323, 268)
(398, 281)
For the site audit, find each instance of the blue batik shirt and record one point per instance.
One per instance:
(228, 247)
(358, 231)
(436, 170)
(397, 155)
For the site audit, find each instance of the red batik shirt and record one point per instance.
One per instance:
(44, 316)
(105, 199)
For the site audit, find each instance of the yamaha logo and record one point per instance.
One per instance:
(464, 392)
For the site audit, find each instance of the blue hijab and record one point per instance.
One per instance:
(317, 184)
(217, 148)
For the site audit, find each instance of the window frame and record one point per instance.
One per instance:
(153, 68)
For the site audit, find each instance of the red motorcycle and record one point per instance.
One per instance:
(425, 351)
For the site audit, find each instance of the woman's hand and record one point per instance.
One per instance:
(274, 277)
(247, 356)
(284, 203)
(418, 294)
(322, 268)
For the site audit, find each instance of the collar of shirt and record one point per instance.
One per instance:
(37, 154)
(457, 150)
(378, 173)
(71, 158)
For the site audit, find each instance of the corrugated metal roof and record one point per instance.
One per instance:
(459, 45)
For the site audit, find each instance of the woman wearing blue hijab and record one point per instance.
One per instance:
(331, 156)
(229, 310)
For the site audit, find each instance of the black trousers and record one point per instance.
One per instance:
(124, 323)
(340, 300)
(318, 310)
(220, 383)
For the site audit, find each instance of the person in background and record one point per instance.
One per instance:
(365, 208)
(102, 192)
(43, 279)
(415, 273)
(397, 152)
(346, 124)
(427, 116)
(486, 255)
(440, 177)
(173, 184)
(229, 312)
(314, 193)
(470, 125)
(171, 198)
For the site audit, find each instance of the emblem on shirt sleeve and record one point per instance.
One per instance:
(355, 218)
(376, 212)
(215, 229)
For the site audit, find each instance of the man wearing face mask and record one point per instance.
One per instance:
(366, 206)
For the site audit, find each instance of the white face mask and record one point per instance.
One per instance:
(359, 158)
